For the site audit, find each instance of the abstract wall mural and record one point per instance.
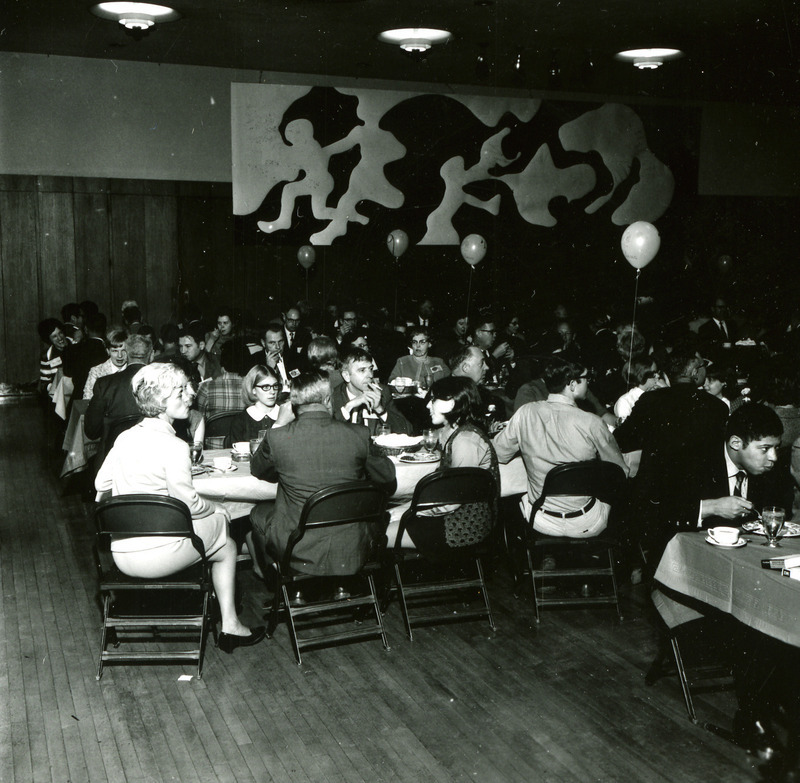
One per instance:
(321, 165)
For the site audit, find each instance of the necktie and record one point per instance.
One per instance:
(724, 328)
(737, 490)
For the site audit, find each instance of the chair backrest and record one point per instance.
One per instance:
(112, 429)
(220, 423)
(131, 516)
(344, 504)
(592, 478)
(454, 485)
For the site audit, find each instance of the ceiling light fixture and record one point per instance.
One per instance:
(135, 16)
(415, 39)
(648, 59)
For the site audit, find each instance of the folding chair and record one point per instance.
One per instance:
(218, 428)
(597, 480)
(441, 488)
(132, 516)
(355, 503)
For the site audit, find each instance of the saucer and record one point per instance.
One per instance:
(739, 543)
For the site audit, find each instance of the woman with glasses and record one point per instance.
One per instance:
(150, 459)
(260, 390)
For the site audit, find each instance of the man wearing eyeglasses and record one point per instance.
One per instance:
(347, 322)
(555, 432)
(498, 357)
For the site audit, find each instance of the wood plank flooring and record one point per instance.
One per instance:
(561, 703)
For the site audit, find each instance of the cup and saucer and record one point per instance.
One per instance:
(725, 537)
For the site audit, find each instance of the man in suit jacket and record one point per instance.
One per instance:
(88, 353)
(720, 329)
(113, 398)
(309, 454)
(681, 483)
(296, 340)
(360, 400)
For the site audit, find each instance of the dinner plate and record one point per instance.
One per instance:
(790, 529)
(740, 542)
(198, 469)
(419, 457)
(220, 470)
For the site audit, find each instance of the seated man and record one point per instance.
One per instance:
(309, 454)
(360, 400)
(224, 393)
(423, 369)
(499, 357)
(470, 362)
(116, 362)
(274, 344)
(554, 432)
(86, 354)
(192, 345)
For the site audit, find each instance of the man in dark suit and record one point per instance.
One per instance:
(687, 446)
(88, 353)
(307, 455)
(360, 400)
(720, 329)
(113, 398)
(296, 340)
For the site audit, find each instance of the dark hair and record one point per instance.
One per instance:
(190, 368)
(89, 308)
(235, 356)
(195, 331)
(116, 337)
(753, 422)
(132, 314)
(274, 326)
(352, 336)
(47, 327)
(96, 323)
(558, 373)
(679, 364)
(70, 310)
(169, 333)
(226, 310)
(464, 393)
(413, 331)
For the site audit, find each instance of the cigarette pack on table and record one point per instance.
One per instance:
(781, 563)
(792, 573)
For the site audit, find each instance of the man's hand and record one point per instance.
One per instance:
(729, 507)
(285, 414)
(503, 351)
(272, 358)
(610, 420)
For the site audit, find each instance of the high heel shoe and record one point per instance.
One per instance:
(228, 642)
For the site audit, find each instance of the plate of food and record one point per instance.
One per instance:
(790, 529)
(419, 456)
(395, 443)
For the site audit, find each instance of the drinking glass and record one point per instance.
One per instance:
(772, 518)
(196, 451)
(382, 429)
(429, 440)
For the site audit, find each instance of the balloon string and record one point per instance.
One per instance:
(469, 289)
(633, 326)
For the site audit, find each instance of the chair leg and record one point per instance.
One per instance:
(103, 636)
(403, 604)
(682, 678)
(204, 632)
(614, 582)
(485, 593)
(533, 584)
(290, 625)
(378, 613)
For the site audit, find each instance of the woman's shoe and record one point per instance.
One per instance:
(228, 642)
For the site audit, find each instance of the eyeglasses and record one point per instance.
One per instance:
(268, 386)
(490, 331)
(587, 377)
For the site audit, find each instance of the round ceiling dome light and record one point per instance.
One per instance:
(648, 59)
(415, 39)
(135, 16)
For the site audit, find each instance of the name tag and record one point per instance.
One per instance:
(436, 368)
(294, 373)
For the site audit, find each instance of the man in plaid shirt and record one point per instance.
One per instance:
(224, 393)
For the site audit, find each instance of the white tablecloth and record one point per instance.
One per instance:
(238, 491)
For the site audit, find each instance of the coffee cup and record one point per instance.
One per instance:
(242, 447)
(223, 463)
(728, 536)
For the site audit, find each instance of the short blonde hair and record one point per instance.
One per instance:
(153, 384)
(255, 375)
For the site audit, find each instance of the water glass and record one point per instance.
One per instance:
(772, 518)
(430, 440)
(196, 450)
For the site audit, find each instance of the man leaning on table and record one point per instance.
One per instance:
(309, 454)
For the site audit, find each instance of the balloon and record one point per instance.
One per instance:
(306, 255)
(473, 249)
(640, 243)
(397, 242)
(724, 263)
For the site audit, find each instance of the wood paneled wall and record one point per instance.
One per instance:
(65, 239)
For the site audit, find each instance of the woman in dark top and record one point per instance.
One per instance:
(260, 390)
(455, 406)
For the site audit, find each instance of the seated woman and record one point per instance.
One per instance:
(150, 459)
(421, 368)
(455, 407)
(323, 354)
(260, 390)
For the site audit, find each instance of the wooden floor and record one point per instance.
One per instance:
(562, 702)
